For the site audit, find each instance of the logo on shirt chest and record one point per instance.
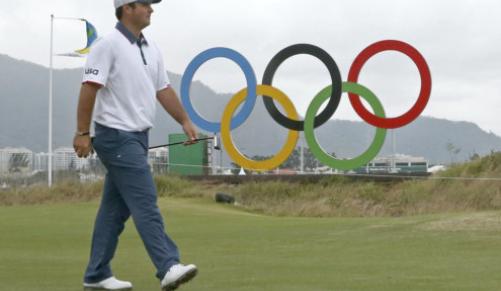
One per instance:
(91, 71)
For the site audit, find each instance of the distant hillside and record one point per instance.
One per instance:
(23, 121)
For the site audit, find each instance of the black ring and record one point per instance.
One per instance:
(333, 69)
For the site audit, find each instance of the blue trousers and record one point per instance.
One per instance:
(129, 190)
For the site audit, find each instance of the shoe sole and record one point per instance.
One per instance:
(183, 279)
(103, 289)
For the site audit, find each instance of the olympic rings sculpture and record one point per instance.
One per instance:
(331, 93)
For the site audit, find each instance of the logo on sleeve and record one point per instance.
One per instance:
(91, 71)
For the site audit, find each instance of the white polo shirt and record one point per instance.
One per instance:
(131, 75)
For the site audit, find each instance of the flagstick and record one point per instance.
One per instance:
(51, 91)
(50, 98)
(69, 18)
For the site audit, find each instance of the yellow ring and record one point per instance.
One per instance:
(235, 154)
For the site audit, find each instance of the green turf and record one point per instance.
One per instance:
(46, 248)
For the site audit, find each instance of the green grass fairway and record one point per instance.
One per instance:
(46, 248)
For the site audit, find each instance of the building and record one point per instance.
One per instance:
(16, 160)
(66, 159)
(41, 162)
(158, 160)
(395, 164)
(158, 155)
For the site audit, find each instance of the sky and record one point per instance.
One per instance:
(459, 39)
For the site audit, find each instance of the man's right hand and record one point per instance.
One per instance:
(82, 145)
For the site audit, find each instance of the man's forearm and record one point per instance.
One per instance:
(170, 102)
(86, 106)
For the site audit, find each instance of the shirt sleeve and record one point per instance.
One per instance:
(162, 79)
(98, 64)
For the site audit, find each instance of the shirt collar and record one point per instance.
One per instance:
(129, 35)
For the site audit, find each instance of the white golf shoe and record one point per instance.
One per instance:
(111, 283)
(177, 275)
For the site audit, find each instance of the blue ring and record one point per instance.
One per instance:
(250, 100)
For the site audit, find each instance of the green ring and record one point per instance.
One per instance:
(317, 150)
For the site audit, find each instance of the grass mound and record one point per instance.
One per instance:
(488, 166)
(344, 197)
(332, 196)
(70, 191)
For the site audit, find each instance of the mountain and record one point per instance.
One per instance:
(24, 112)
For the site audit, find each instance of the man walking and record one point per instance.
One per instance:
(123, 78)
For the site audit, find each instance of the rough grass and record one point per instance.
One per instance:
(70, 190)
(342, 197)
(333, 196)
(371, 199)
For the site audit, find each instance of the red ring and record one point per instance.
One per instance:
(424, 94)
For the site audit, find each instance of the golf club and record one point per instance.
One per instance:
(178, 143)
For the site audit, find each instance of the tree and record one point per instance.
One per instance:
(72, 166)
(18, 161)
(475, 156)
(310, 161)
(235, 168)
(453, 151)
(294, 160)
